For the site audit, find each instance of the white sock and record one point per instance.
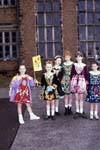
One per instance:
(66, 106)
(21, 120)
(91, 113)
(77, 110)
(95, 113)
(56, 109)
(69, 105)
(48, 112)
(52, 112)
(33, 116)
(81, 110)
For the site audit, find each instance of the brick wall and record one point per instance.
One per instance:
(70, 25)
(27, 32)
(26, 12)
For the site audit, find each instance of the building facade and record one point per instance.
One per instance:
(48, 28)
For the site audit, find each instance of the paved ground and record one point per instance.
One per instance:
(64, 133)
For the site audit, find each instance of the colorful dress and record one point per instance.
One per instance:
(58, 71)
(93, 88)
(20, 91)
(49, 83)
(67, 67)
(79, 77)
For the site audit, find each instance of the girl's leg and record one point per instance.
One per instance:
(70, 104)
(48, 108)
(82, 113)
(77, 114)
(96, 111)
(32, 115)
(81, 102)
(66, 105)
(57, 107)
(77, 102)
(91, 110)
(20, 116)
(53, 109)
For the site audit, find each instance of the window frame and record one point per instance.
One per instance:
(87, 26)
(10, 44)
(52, 27)
(8, 5)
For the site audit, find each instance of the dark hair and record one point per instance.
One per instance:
(49, 62)
(94, 62)
(79, 53)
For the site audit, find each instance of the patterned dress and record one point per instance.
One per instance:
(79, 77)
(66, 77)
(49, 83)
(20, 89)
(93, 88)
(59, 73)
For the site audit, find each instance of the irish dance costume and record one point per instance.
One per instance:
(79, 77)
(59, 72)
(93, 87)
(67, 67)
(20, 89)
(49, 83)
(57, 69)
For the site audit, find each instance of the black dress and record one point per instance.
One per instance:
(49, 84)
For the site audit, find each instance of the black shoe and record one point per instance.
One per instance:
(53, 117)
(47, 117)
(57, 113)
(83, 115)
(66, 111)
(70, 111)
(76, 115)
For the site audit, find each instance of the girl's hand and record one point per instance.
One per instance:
(30, 78)
(36, 82)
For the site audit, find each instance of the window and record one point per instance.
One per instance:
(8, 45)
(48, 28)
(89, 27)
(6, 3)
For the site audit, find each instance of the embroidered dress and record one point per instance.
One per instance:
(49, 83)
(67, 67)
(79, 75)
(93, 88)
(58, 71)
(20, 89)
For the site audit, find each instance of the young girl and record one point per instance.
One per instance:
(67, 66)
(94, 90)
(20, 93)
(58, 71)
(78, 84)
(49, 82)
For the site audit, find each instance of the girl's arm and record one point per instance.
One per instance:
(31, 81)
(72, 71)
(86, 73)
(42, 80)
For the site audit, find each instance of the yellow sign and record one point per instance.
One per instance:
(37, 63)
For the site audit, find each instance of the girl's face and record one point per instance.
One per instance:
(94, 67)
(48, 67)
(58, 61)
(79, 58)
(67, 58)
(22, 69)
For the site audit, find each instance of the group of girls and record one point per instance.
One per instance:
(68, 80)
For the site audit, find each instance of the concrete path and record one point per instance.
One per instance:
(64, 133)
